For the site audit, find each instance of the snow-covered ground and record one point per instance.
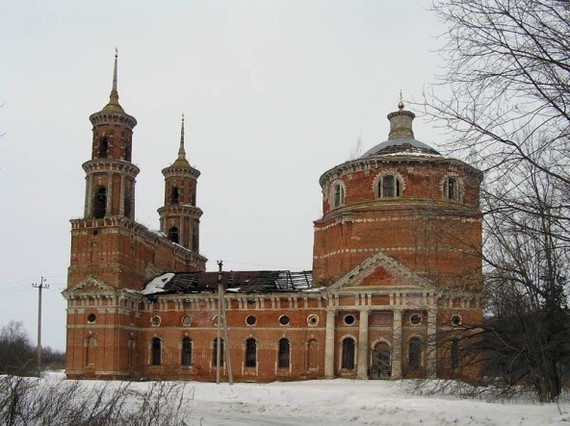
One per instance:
(343, 402)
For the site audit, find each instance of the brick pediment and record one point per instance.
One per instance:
(381, 271)
(91, 285)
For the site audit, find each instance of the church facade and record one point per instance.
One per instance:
(396, 266)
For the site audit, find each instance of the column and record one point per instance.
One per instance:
(122, 196)
(109, 206)
(431, 362)
(329, 344)
(362, 363)
(88, 195)
(397, 344)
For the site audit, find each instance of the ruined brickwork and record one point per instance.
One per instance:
(396, 264)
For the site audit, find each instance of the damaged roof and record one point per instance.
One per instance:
(232, 281)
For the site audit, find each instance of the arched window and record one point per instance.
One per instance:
(155, 351)
(415, 353)
(283, 358)
(338, 195)
(348, 354)
(389, 186)
(103, 147)
(450, 189)
(174, 195)
(186, 352)
(215, 353)
(173, 234)
(250, 352)
(100, 207)
(381, 361)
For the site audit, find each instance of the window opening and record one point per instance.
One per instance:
(338, 195)
(450, 188)
(100, 208)
(215, 353)
(103, 147)
(415, 353)
(250, 320)
(186, 351)
(389, 186)
(173, 234)
(348, 354)
(454, 353)
(381, 367)
(174, 196)
(284, 320)
(283, 358)
(250, 352)
(155, 357)
(415, 319)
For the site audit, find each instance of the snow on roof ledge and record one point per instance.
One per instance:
(157, 284)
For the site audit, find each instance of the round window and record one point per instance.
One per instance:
(349, 319)
(456, 320)
(284, 320)
(313, 320)
(155, 320)
(415, 319)
(186, 320)
(91, 318)
(250, 320)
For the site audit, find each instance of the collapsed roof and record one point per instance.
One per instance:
(232, 281)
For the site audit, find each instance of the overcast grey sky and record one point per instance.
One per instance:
(274, 94)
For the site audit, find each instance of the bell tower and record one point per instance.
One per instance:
(179, 217)
(110, 180)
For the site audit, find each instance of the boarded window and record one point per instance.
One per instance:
(283, 358)
(155, 351)
(348, 354)
(186, 351)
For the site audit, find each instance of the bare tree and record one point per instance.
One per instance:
(16, 351)
(506, 101)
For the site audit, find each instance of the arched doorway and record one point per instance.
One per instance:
(381, 362)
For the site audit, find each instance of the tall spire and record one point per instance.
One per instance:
(181, 161)
(113, 104)
(181, 152)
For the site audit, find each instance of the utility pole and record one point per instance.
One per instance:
(219, 323)
(39, 286)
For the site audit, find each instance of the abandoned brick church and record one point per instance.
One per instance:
(395, 263)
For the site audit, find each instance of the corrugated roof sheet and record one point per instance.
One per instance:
(234, 281)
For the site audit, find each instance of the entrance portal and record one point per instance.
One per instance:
(380, 367)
